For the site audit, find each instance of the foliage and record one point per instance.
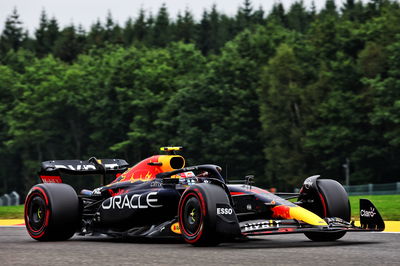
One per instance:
(13, 34)
(281, 95)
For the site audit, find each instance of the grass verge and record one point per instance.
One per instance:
(387, 205)
(12, 212)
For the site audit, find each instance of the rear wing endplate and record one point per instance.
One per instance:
(51, 171)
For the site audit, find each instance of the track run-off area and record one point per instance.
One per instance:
(18, 248)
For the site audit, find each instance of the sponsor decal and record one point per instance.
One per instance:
(175, 228)
(259, 225)
(51, 179)
(371, 213)
(97, 191)
(155, 184)
(224, 211)
(307, 183)
(187, 174)
(86, 167)
(135, 201)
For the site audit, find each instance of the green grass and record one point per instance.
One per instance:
(12, 212)
(388, 206)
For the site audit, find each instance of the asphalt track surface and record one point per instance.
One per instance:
(17, 248)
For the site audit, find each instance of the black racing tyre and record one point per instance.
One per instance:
(51, 212)
(197, 213)
(334, 203)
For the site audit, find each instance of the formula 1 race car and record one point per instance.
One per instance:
(160, 198)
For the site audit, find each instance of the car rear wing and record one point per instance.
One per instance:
(51, 171)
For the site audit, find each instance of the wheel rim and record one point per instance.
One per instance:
(37, 213)
(192, 216)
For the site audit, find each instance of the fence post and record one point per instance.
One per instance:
(14, 198)
(370, 188)
(6, 200)
(398, 187)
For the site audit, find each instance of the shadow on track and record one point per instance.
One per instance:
(135, 240)
(270, 243)
(250, 243)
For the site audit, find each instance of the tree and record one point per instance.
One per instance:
(161, 33)
(322, 36)
(13, 34)
(385, 114)
(277, 15)
(18, 60)
(227, 128)
(259, 16)
(385, 28)
(128, 33)
(112, 31)
(348, 9)
(185, 27)
(203, 40)
(69, 44)
(40, 34)
(298, 18)
(46, 35)
(141, 27)
(52, 33)
(282, 97)
(150, 78)
(282, 115)
(31, 121)
(372, 61)
(96, 35)
(214, 31)
(244, 16)
(330, 9)
(9, 176)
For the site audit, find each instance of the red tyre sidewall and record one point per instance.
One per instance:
(37, 191)
(195, 237)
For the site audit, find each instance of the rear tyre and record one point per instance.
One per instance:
(51, 212)
(198, 214)
(334, 202)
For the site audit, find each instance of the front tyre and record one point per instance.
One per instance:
(334, 202)
(197, 214)
(51, 212)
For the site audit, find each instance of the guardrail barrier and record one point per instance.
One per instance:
(373, 189)
(10, 199)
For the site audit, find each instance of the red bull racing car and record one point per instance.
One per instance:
(161, 198)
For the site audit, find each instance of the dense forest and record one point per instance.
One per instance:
(281, 93)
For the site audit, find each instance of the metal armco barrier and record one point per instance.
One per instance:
(374, 189)
(10, 199)
(14, 198)
(370, 189)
